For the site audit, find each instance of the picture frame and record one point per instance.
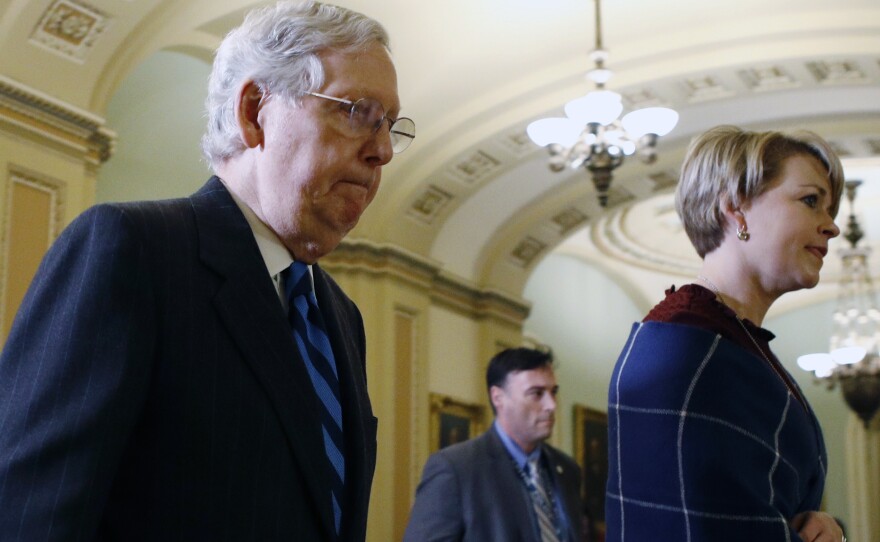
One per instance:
(591, 453)
(453, 421)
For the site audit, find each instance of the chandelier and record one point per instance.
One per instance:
(854, 361)
(592, 136)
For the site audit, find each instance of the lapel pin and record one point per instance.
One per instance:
(559, 469)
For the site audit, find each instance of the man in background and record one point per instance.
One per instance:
(508, 484)
(184, 370)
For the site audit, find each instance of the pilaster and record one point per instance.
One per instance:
(400, 295)
(50, 153)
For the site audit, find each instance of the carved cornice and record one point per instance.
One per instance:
(51, 119)
(481, 302)
(362, 255)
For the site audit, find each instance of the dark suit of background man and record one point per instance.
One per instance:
(481, 490)
(151, 387)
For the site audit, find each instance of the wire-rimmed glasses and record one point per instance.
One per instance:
(366, 116)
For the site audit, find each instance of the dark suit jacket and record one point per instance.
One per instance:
(150, 388)
(471, 492)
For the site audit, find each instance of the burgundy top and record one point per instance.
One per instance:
(696, 306)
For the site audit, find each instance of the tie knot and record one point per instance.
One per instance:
(534, 465)
(297, 280)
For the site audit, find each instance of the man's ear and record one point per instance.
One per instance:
(495, 396)
(248, 103)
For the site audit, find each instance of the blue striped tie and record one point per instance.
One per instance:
(311, 338)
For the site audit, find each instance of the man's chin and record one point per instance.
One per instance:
(317, 249)
(338, 224)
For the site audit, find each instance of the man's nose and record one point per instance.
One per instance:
(378, 149)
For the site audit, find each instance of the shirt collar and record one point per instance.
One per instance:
(275, 254)
(517, 453)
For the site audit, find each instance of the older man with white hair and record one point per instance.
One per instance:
(183, 370)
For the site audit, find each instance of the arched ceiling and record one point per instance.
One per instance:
(473, 193)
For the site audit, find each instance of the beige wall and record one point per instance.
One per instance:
(427, 334)
(49, 155)
(863, 478)
(29, 231)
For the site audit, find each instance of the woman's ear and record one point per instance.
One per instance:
(733, 216)
(248, 103)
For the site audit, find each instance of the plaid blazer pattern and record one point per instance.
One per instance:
(706, 443)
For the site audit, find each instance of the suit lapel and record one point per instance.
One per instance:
(249, 307)
(510, 486)
(562, 478)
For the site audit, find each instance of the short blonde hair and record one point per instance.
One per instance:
(728, 165)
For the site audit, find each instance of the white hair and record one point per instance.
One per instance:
(277, 47)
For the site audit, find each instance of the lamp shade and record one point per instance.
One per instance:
(815, 362)
(600, 106)
(615, 137)
(554, 130)
(848, 355)
(650, 120)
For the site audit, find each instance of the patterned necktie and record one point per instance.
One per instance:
(542, 502)
(311, 338)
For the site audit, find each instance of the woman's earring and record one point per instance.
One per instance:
(742, 234)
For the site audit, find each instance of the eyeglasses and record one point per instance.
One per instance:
(366, 115)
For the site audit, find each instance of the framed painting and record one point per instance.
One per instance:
(453, 421)
(591, 453)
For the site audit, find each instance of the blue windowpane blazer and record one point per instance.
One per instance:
(706, 443)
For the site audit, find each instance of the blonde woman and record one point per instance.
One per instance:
(710, 437)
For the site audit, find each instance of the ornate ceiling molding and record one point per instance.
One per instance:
(354, 256)
(493, 156)
(53, 120)
(69, 29)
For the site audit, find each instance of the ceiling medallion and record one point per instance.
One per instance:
(70, 28)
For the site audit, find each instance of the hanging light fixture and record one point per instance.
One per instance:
(854, 361)
(592, 136)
